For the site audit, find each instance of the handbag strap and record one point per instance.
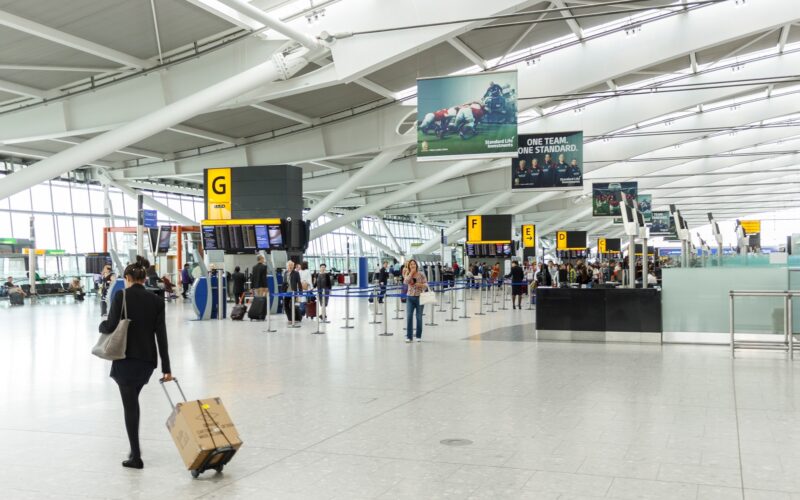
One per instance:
(124, 313)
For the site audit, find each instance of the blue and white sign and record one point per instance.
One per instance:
(150, 219)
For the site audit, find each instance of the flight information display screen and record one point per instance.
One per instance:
(262, 237)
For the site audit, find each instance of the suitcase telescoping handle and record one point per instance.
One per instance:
(167, 392)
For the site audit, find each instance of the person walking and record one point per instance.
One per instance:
(106, 280)
(238, 279)
(417, 283)
(383, 279)
(147, 330)
(258, 278)
(324, 285)
(186, 280)
(291, 284)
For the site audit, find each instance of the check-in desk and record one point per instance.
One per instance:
(598, 314)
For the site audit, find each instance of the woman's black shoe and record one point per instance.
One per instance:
(133, 463)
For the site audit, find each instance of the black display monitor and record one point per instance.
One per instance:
(95, 262)
(262, 237)
(275, 237)
(164, 237)
(249, 237)
(210, 238)
(470, 250)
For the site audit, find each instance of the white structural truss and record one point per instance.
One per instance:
(672, 97)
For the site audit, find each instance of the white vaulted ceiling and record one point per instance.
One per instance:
(698, 100)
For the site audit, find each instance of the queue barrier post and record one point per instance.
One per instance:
(386, 332)
(494, 296)
(433, 310)
(293, 323)
(505, 293)
(464, 301)
(456, 295)
(480, 300)
(323, 306)
(269, 314)
(347, 317)
(319, 316)
(374, 310)
(442, 295)
(397, 305)
(452, 303)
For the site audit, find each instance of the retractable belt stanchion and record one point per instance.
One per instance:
(456, 296)
(386, 332)
(503, 302)
(441, 302)
(269, 313)
(433, 310)
(480, 301)
(494, 294)
(452, 303)
(374, 312)
(464, 301)
(319, 315)
(347, 317)
(397, 305)
(531, 293)
(293, 323)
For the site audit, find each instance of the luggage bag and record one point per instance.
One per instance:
(311, 309)
(258, 309)
(203, 433)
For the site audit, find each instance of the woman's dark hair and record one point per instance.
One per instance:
(138, 270)
(304, 265)
(237, 269)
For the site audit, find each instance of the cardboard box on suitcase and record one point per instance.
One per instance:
(199, 428)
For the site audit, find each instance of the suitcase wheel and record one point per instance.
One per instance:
(219, 468)
(196, 473)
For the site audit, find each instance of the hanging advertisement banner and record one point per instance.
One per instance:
(663, 225)
(604, 197)
(467, 116)
(548, 161)
(645, 202)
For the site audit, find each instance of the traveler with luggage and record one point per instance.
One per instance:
(324, 285)
(186, 279)
(147, 340)
(237, 279)
(259, 278)
(291, 284)
(417, 283)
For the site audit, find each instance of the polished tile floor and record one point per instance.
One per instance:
(352, 415)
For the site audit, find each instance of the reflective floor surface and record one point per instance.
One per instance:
(352, 415)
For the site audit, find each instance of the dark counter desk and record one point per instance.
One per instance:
(598, 314)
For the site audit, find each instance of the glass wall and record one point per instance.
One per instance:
(70, 215)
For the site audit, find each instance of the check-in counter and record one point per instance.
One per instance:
(598, 314)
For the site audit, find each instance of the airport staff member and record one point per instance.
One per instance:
(147, 330)
(259, 278)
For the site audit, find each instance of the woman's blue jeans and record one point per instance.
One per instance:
(412, 304)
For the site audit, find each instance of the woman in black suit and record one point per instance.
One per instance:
(146, 329)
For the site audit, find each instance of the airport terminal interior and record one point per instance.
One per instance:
(385, 249)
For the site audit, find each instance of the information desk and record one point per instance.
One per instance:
(598, 314)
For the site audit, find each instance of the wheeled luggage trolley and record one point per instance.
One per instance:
(203, 433)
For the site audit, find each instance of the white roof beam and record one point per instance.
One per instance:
(23, 90)
(524, 34)
(467, 52)
(693, 61)
(389, 234)
(32, 28)
(361, 234)
(203, 134)
(66, 69)
(784, 37)
(285, 113)
(273, 23)
(141, 153)
(572, 23)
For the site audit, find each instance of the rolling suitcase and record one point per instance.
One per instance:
(16, 299)
(238, 312)
(311, 309)
(258, 309)
(203, 432)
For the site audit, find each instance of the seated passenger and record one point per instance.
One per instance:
(76, 289)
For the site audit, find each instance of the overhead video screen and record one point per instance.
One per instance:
(548, 161)
(604, 197)
(467, 116)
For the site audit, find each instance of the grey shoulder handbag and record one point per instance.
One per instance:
(112, 346)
